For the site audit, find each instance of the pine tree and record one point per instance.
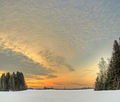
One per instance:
(7, 80)
(113, 75)
(22, 81)
(112, 79)
(3, 82)
(14, 81)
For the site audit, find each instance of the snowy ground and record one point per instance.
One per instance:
(60, 96)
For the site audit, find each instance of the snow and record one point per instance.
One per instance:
(60, 96)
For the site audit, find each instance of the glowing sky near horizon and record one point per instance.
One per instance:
(57, 43)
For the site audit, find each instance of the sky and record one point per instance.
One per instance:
(57, 43)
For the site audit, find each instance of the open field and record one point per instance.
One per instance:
(60, 96)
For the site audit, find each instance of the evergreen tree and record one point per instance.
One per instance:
(3, 82)
(7, 80)
(114, 68)
(22, 81)
(112, 79)
(14, 81)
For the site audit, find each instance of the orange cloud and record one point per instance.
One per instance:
(42, 56)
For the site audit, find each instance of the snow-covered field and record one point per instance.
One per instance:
(60, 96)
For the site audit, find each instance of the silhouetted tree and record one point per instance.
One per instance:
(113, 75)
(14, 81)
(111, 78)
(7, 81)
(101, 76)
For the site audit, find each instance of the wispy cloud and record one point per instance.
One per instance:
(57, 36)
(14, 61)
(44, 57)
(51, 76)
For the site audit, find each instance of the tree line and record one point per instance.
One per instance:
(108, 77)
(14, 82)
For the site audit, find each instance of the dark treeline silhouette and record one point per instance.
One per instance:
(110, 79)
(14, 82)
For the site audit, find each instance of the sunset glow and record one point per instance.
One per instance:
(57, 43)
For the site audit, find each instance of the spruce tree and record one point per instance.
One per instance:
(113, 75)
(112, 79)
(7, 80)
(3, 82)
(14, 81)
